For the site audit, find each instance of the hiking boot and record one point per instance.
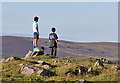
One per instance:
(36, 49)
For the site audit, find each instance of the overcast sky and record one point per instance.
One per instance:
(78, 21)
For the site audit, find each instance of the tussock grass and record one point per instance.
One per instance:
(11, 70)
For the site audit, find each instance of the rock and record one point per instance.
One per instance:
(40, 72)
(38, 65)
(36, 54)
(116, 68)
(29, 54)
(7, 60)
(46, 66)
(79, 71)
(12, 59)
(41, 62)
(45, 72)
(56, 61)
(68, 61)
(99, 64)
(21, 64)
(103, 59)
(83, 69)
(28, 70)
(90, 70)
(83, 81)
(108, 62)
(69, 73)
(2, 60)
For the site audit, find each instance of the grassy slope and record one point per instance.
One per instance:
(10, 71)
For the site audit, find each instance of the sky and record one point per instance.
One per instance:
(74, 21)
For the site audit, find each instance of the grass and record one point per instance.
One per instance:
(11, 70)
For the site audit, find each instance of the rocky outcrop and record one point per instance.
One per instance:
(12, 58)
(82, 69)
(90, 70)
(45, 72)
(34, 53)
(83, 81)
(117, 68)
(99, 64)
(44, 65)
(29, 70)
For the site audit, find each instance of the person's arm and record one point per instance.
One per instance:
(37, 30)
(56, 40)
(49, 37)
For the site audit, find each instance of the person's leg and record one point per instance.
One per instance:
(35, 42)
(55, 51)
(52, 51)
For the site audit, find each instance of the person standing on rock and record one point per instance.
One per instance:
(36, 34)
(53, 42)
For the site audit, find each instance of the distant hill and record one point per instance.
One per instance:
(19, 46)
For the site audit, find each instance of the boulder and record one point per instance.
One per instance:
(56, 61)
(12, 59)
(41, 62)
(83, 81)
(103, 60)
(2, 60)
(21, 64)
(68, 61)
(46, 66)
(90, 70)
(99, 64)
(28, 70)
(38, 65)
(117, 68)
(29, 54)
(82, 69)
(44, 72)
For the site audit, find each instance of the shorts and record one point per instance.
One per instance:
(36, 36)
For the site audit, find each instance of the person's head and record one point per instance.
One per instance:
(53, 29)
(42, 48)
(36, 19)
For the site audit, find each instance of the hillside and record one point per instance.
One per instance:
(19, 46)
(44, 68)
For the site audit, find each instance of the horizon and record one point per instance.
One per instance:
(62, 39)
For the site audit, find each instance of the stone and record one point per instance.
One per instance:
(116, 68)
(79, 71)
(45, 72)
(36, 54)
(29, 54)
(27, 71)
(12, 59)
(90, 70)
(56, 61)
(103, 59)
(40, 72)
(7, 60)
(99, 64)
(21, 64)
(68, 61)
(46, 66)
(38, 65)
(40, 62)
(2, 60)
(83, 81)
(83, 69)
